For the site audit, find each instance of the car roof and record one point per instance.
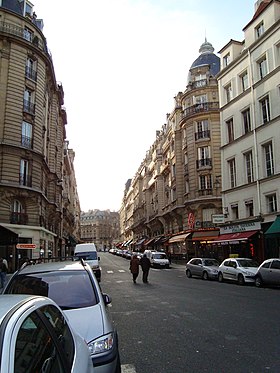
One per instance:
(9, 301)
(54, 266)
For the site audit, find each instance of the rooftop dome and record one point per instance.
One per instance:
(207, 57)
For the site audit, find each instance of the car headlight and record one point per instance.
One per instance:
(102, 344)
(248, 273)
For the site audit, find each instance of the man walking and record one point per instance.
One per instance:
(145, 265)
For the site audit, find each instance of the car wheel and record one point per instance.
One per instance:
(188, 273)
(118, 367)
(258, 282)
(220, 277)
(205, 275)
(240, 280)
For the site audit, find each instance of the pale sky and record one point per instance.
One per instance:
(121, 62)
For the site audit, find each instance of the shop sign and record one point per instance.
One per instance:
(26, 246)
(242, 227)
(218, 219)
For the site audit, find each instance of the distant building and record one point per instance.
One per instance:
(100, 227)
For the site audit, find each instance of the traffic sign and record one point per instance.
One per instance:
(26, 246)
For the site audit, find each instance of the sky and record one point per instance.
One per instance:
(121, 62)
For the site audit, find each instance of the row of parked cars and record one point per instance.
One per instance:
(158, 259)
(53, 318)
(240, 270)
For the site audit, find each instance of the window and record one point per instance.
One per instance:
(18, 216)
(249, 167)
(271, 203)
(232, 173)
(202, 130)
(28, 34)
(262, 67)
(28, 101)
(265, 110)
(244, 81)
(230, 131)
(249, 208)
(205, 182)
(173, 194)
(30, 69)
(234, 210)
(26, 135)
(268, 158)
(200, 80)
(204, 157)
(24, 177)
(226, 60)
(228, 92)
(259, 29)
(246, 120)
(200, 99)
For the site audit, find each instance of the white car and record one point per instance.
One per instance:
(37, 337)
(241, 270)
(74, 287)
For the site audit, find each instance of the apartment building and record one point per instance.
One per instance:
(100, 227)
(249, 95)
(38, 197)
(176, 190)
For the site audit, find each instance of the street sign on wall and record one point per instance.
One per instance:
(26, 246)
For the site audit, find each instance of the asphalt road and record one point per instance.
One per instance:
(179, 325)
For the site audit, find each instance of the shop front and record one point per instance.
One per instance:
(242, 240)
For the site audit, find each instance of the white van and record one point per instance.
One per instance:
(157, 258)
(88, 252)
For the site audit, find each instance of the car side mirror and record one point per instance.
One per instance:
(107, 299)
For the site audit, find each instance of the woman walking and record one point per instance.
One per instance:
(134, 267)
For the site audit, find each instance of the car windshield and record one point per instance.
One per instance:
(247, 263)
(211, 262)
(69, 289)
(159, 256)
(86, 256)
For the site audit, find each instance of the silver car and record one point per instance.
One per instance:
(206, 268)
(241, 270)
(36, 337)
(268, 273)
(74, 287)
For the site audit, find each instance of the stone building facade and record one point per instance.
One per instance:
(36, 164)
(176, 189)
(100, 227)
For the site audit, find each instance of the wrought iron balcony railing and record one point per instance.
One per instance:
(204, 162)
(199, 108)
(19, 218)
(202, 135)
(25, 180)
(28, 107)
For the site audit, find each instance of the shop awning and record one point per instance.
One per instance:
(233, 237)
(7, 236)
(179, 237)
(140, 241)
(149, 242)
(128, 242)
(205, 235)
(275, 226)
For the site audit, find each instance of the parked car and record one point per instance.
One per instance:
(268, 273)
(206, 268)
(74, 287)
(37, 337)
(157, 258)
(242, 270)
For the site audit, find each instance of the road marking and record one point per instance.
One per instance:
(128, 368)
(110, 271)
(122, 270)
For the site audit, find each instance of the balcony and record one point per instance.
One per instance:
(19, 218)
(200, 108)
(199, 83)
(205, 192)
(204, 163)
(202, 135)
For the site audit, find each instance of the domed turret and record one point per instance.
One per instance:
(206, 57)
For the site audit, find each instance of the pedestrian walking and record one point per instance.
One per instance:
(134, 267)
(3, 273)
(145, 265)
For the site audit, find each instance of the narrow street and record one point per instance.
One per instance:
(179, 325)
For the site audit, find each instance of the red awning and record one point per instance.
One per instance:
(238, 236)
(149, 242)
(205, 235)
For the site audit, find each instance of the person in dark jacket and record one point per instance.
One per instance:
(145, 265)
(134, 267)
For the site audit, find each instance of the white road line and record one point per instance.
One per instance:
(110, 271)
(128, 368)
(122, 270)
